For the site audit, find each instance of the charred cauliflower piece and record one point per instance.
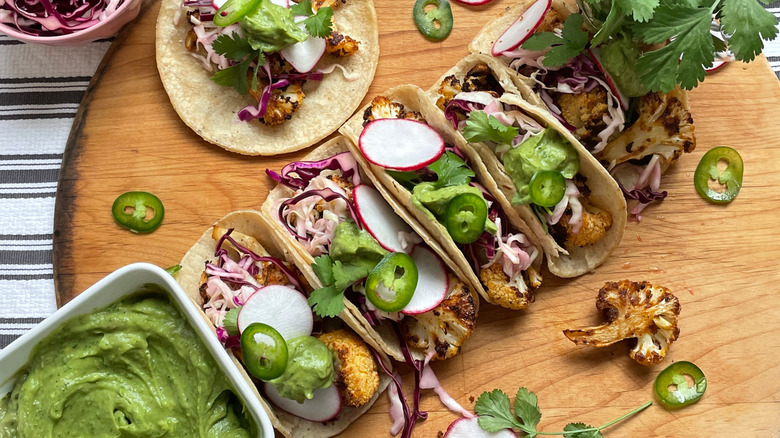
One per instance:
(356, 373)
(664, 128)
(634, 310)
(552, 20)
(502, 292)
(595, 224)
(282, 104)
(383, 108)
(340, 45)
(448, 89)
(480, 78)
(445, 328)
(317, 4)
(585, 111)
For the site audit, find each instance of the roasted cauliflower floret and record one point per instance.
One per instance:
(448, 89)
(340, 45)
(480, 78)
(317, 4)
(595, 224)
(356, 374)
(664, 128)
(282, 104)
(552, 20)
(634, 310)
(444, 329)
(383, 108)
(512, 296)
(585, 111)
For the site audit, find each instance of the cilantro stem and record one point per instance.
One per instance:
(603, 426)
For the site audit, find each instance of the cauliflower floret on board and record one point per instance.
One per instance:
(356, 373)
(634, 310)
(445, 328)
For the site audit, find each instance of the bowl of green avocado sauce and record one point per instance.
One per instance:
(134, 368)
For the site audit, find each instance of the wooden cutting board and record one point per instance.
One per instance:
(721, 261)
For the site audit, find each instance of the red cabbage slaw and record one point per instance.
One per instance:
(579, 75)
(315, 182)
(46, 18)
(231, 282)
(640, 182)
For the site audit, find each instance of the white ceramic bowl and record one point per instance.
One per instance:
(123, 282)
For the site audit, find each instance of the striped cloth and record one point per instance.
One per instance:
(40, 91)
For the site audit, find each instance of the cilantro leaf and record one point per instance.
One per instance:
(571, 42)
(451, 170)
(234, 76)
(494, 412)
(301, 9)
(481, 127)
(323, 267)
(321, 23)
(683, 59)
(406, 179)
(344, 275)
(641, 10)
(235, 48)
(526, 407)
(610, 26)
(541, 41)
(575, 428)
(230, 321)
(747, 22)
(327, 301)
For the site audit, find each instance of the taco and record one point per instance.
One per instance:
(322, 208)
(502, 258)
(635, 134)
(235, 268)
(555, 186)
(259, 86)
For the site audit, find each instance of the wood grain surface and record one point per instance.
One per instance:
(721, 261)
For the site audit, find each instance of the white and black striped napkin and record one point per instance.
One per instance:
(40, 91)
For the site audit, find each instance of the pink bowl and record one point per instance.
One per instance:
(106, 28)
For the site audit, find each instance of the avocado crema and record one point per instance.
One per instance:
(271, 28)
(309, 367)
(133, 369)
(426, 196)
(546, 150)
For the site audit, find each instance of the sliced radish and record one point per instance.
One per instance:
(281, 307)
(469, 428)
(305, 55)
(216, 4)
(324, 406)
(400, 144)
(432, 281)
(379, 218)
(716, 65)
(482, 97)
(473, 2)
(522, 28)
(595, 54)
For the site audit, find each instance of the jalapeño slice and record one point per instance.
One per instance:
(547, 188)
(391, 284)
(141, 212)
(465, 217)
(264, 350)
(435, 23)
(234, 10)
(674, 390)
(708, 170)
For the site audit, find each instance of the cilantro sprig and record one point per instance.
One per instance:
(482, 127)
(450, 170)
(678, 32)
(319, 24)
(239, 50)
(495, 414)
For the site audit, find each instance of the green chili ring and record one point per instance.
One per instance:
(708, 170)
(465, 217)
(265, 351)
(426, 21)
(682, 393)
(130, 210)
(235, 10)
(397, 273)
(547, 188)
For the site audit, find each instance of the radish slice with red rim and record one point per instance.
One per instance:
(216, 4)
(400, 144)
(305, 55)
(522, 28)
(473, 2)
(379, 218)
(469, 428)
(324, 406)
(432, 281)
(283, 308)
(595, 54)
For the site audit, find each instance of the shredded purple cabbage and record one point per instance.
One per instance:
(326, 194)
(308, 170)
(291, 277)
(398, 386)
(44, 18)
(251, 112)
(644, 196)
(314, 76)
(452, 107)
(418, 366)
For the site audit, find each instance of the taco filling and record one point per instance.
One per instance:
(331, 356)
(607, 108)
(504, 260)
(266, 49)
(322, 216)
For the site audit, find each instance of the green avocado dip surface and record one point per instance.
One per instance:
(309, 367)
(133, 369)
(271, 28)
(426, 196)
(544, 151)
